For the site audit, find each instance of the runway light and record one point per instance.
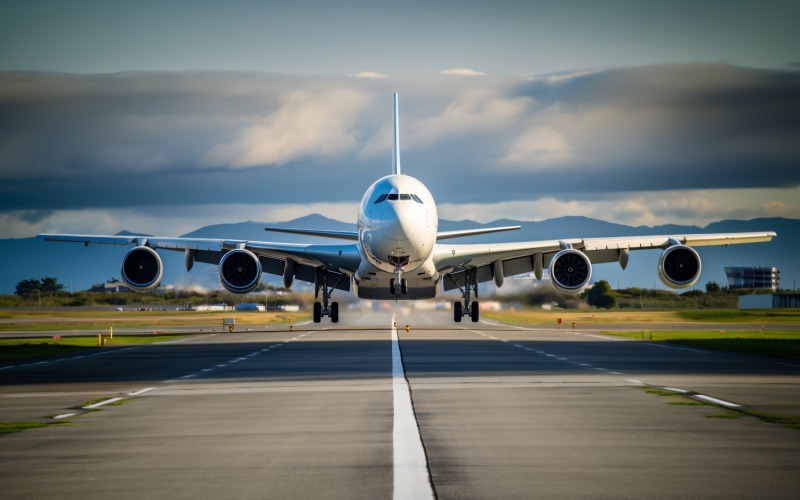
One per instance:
(408, 328)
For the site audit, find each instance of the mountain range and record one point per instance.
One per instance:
(78, 267)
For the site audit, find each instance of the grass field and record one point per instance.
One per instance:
(596, 316)
(18, 349)
(780, 343)
(783, 343)
(60, 321)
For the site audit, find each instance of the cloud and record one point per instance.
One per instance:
(699, 207)
(306, 125)
(175, 139)
(461, 72)
(538, 146)
(162, 220)
(371, 74)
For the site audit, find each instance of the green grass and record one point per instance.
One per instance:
(585, 317)
(83, 320)
(779, 343)
(677, 399)
(10, 427)
(729, 415)
(770, 316)
(19, 349)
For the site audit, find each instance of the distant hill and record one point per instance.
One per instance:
(79, 266)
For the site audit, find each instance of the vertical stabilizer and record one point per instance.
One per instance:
(396, 151)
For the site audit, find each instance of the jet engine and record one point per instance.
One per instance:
(240, 271)
(142, 269)
(679, 266)
(570, 271)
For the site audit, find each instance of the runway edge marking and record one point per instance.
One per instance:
(411, 475)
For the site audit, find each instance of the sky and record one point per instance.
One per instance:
(162, 117)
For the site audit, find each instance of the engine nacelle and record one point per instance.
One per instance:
(679, 266)
(240, 271)
(142, 269)
(570, 271)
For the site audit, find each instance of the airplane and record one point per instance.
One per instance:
(396, 253)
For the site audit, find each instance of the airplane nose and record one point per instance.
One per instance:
(398, 226)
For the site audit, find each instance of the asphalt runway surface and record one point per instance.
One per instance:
(446, 411)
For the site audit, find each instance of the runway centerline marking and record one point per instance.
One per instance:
(411, 476)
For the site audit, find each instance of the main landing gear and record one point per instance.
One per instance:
(466, 308)
(326, 308)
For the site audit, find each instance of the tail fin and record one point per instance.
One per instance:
(396, 153)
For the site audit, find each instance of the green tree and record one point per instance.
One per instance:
(51, 285)
(712, 287)
(45, 285)
(602, 296)
(26, 287)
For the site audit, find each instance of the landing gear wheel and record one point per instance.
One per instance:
(392, 289)
(403, 287)
(317, 312)
(458, 312)
(334, 312)
(474, 312)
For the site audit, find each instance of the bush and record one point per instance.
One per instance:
(602, 296)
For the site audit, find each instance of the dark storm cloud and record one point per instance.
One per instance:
(132, 139)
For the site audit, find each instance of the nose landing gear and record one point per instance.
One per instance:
(399, 284)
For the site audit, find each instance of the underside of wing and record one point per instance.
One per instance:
(142, 268)
(494, 262)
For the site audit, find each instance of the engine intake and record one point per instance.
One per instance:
(570, 271)
(142, 269)
(679, 266)
(240, 271)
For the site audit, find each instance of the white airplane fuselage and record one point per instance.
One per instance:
(397, 227)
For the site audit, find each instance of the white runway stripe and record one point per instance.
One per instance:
(411, 479)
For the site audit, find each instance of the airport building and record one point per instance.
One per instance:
(110, 286)
(761, 278)
(770, 301)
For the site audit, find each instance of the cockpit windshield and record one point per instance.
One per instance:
(396, 197)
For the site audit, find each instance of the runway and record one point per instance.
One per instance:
(500, 412)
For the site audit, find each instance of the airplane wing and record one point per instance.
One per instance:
(342, 235)
(446, 235)
(339, 260)
(509, 259)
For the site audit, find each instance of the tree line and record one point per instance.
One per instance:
(45, 285)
